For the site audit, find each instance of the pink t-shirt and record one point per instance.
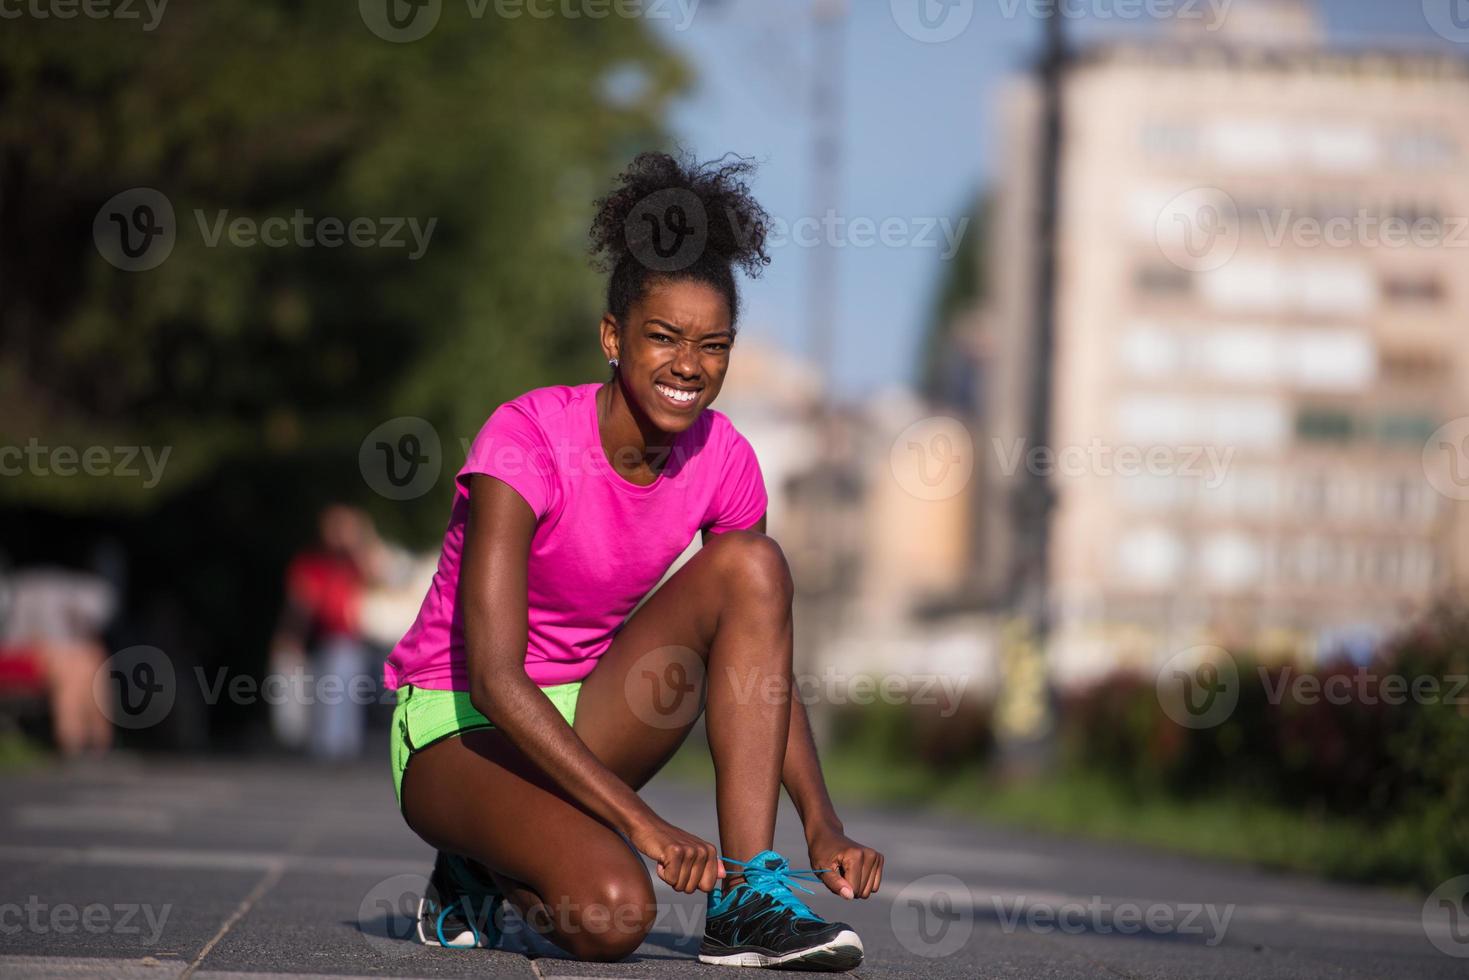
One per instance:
(600, 544)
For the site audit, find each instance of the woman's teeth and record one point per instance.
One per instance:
(682, 397)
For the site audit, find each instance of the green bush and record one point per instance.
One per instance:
(938, 737)
(1398, 768)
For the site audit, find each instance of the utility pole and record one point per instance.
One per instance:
(1027, 694)
(828, 22)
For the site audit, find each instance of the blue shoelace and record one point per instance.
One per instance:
(776, 881)
(444, 941)
(472, 887)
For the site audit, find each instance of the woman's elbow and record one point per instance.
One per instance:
(482, 695)
(492, 693)
(482, 699)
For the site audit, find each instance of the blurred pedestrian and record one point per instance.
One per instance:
(54, 618)
(318, 647)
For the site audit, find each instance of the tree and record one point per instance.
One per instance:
(961, 288)
(496, 131)
(262, 367)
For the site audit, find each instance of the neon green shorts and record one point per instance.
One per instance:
(424, 717)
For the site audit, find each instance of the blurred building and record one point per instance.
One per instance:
(874, 552)
(1248, 358)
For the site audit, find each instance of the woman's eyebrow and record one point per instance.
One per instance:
(680, 331)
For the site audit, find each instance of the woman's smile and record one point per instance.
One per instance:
(681, 398)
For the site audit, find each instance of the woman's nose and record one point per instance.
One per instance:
(686, 362)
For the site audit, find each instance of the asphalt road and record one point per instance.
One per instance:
(138, 868)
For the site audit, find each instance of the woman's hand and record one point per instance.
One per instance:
(855, 869)
(684, 861)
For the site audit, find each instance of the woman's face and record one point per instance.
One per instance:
(673, 351)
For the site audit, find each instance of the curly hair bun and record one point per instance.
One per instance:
(680, 218)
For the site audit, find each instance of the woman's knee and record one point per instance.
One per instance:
(754, 561)
(608, 916)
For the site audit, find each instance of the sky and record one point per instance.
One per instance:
(916, 144)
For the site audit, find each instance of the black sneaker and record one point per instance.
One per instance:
(761, 922)
(458, 909)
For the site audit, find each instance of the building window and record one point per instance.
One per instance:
(1316, 560)
(1332, 359)
(1170, 139)
(1151, 556)
(1337, 287)
(1404, 429)
(1389, 566)
(1413, 289)
(1231, 561)
(1324, 425)
(1147, 351)
(1155, 491)
(1423, 148)
(1164, 280)
(1321, 286)
(1178, 420)
(1342, 148)
(1250, 144)
(1412, 367)
(1241, 491)
(1310, 494)
(1396, 500)
(1240, 354)
(1412, 214)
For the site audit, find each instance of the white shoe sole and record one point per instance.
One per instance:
(843, 952)
(464, 940)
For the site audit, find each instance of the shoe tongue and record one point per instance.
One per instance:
(769, 860)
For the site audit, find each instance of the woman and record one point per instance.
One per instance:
(573, 503)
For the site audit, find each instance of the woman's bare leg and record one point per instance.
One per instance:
(721, 624)
(571, 876)
(77, 723)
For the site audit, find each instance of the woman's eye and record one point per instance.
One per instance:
(662, 337)
(716, 348)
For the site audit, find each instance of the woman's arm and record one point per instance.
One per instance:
(802, 776)
(856, 870)
(492, 593)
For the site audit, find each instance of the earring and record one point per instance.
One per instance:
(612, 362)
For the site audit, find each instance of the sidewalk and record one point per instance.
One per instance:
(231, 868)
